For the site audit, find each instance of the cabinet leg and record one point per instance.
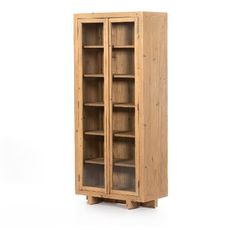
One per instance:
(131, 205)
(150, 204)
(93, 200)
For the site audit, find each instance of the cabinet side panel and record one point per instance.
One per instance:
(155, 105)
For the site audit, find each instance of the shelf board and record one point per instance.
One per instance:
(124, 105)
(124, 134)
(98, 161)
(124, 162)
(117, 162)
(95, 132)
(93, 46)
(123, 76)
(94, 104)
(123, 46)
(93, 75)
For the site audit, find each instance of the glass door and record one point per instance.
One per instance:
(123, 105)
(93, 111)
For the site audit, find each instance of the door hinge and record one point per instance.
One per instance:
(138, 183)
(78, 178)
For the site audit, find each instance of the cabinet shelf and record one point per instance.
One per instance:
(123, 105)
(93, 46)
(124, 134)
(123, 76)
(124, 162)
(123, 46)
(94, 104)
(117, 162)
(93, 75)
(94, 132)
(97, 161)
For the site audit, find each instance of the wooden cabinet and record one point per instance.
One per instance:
(121, 107)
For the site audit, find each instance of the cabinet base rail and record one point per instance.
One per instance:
(128, 203)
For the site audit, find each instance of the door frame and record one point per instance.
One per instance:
(79, 134)
(136, 87)
(108, 135)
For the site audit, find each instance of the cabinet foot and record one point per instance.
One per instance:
(131, 205)
(150, 204)
(93, 200)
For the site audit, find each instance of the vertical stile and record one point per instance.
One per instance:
(80, 100)
(110, 105)
(106, 105)
(136, 89)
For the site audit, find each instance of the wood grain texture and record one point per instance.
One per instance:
(154, 107)
(107, 15)
(107, 107)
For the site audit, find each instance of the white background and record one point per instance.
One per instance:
(36, 122)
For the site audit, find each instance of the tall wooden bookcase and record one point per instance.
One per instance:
(121, 107)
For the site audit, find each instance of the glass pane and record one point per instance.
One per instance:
(93, 107)
(123, 113)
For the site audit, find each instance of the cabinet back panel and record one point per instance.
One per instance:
(92, 61)
(122, 33)
(93, 147)
(92, 34)
(93, 119)
(123, 148)
(93, 90)
(93, 175)
(123, 91)
(123, 178)
(123, 62)
(123, 120)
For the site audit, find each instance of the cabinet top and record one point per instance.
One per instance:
(116, 14)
